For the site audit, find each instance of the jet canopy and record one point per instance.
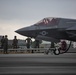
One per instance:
(48, 21)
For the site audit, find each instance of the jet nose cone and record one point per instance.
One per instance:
(22, 31)
(27, 31)
(17, 31)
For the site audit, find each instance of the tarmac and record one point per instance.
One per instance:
(38, 64)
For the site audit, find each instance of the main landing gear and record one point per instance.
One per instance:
(58, 51)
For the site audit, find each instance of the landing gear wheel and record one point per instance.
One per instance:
(56, 52)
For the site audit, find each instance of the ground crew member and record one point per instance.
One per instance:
(5, 44)
(37, 42)
(28, 42)
(2, 42)
(15, 42)
(52, 47)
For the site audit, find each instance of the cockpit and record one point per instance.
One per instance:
(50, 21)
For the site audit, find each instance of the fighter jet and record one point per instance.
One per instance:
(51, 29)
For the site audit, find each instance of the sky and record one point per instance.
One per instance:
(16, 14)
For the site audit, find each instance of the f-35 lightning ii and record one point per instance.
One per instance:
(51, 29)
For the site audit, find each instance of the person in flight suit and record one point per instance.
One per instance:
(5, 44)
(15, 42)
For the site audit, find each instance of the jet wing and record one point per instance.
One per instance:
(41, 37)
